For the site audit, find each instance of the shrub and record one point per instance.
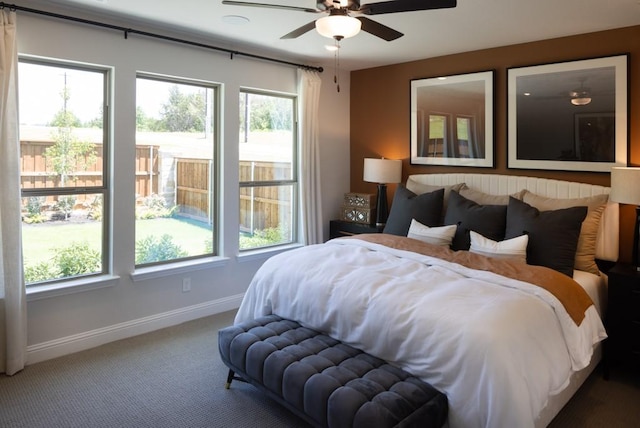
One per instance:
(34, 205)
(153, 249)
(35, 218)
(94, 208)
(65, 205)
(77, 259)
(34, 210)
(264, 238)
(208, 246)
(43, 271)
(154, 206)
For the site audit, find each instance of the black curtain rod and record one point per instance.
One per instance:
(128, 31)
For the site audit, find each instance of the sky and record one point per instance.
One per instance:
(40, 93)
(41, 88)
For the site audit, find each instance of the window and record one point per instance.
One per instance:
(437, 136)
(268, 170)
(466, 136)
(457, 139)
(64, 163)
(176, 133)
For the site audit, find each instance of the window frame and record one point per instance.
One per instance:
(105, 189)
(149, 270)
(294, 181)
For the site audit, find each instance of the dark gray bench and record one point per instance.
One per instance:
(325, 382)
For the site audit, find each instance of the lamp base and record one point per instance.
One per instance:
(636, 251)
(382, 209)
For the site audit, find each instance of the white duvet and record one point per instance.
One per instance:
(497, 347)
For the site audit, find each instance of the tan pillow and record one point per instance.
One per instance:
(485, 198)
(419, 189)
(586, 251)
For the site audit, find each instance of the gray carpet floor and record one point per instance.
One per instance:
(174, 378)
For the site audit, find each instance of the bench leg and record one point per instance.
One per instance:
(229, 379)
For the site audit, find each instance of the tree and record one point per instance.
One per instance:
(147, 123)
(97, 121)
(68, 155)
(184, 112)
(64, 118)
(266, 113)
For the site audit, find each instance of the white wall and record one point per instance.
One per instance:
(71, 322)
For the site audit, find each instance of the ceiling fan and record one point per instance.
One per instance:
(580, 96)
(339, 24)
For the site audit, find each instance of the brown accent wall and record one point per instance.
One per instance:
(380, 106)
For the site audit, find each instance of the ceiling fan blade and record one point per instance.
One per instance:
(300, 31)
(378, 29)
(271, 6)
(405, 6)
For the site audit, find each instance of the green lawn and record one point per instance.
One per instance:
(41, 240)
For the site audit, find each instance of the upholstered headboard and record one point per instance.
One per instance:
(607, 246)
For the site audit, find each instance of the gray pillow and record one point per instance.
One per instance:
(406, 205)
(487, 220)
(553, 235)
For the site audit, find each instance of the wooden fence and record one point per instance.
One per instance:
(193, 181)
(37, 174)
(260, 207)
(264, 207)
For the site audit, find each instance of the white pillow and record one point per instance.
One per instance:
(514, 248)
(441, 236)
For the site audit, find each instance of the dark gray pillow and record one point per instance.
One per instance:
(425, 208)
(553, 235)
(487, 220)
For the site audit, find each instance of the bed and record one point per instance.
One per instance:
(508, 341)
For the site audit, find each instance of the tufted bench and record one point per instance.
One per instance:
(324, 381)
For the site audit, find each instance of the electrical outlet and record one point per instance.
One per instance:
(186, 284)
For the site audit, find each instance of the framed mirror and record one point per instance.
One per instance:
(568, 116)
(452, 120)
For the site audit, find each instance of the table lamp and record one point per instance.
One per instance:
(382, 171)
(625, 189)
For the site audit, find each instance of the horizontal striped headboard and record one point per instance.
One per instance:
(496, 184)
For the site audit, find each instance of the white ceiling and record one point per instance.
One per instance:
(472, 25)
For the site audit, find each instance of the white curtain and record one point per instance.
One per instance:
(13, 299)
(309, 83)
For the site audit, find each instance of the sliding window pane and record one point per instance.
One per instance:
(61, 126)
(266, 216)
(62, 236)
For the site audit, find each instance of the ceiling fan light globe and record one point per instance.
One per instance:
(333, 26)
(581, 101)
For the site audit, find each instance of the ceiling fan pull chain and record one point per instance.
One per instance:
(336, 65)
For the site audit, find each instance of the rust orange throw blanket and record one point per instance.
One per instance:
(572, 296)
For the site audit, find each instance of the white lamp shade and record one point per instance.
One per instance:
(338, 26)
(625, 185)
(382, 170)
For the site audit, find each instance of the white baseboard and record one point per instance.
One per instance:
(90, 339)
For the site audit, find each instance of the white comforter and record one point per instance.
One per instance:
(497, 347)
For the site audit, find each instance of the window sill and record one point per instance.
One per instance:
(160, 271)
(39, 292)
(262, 253)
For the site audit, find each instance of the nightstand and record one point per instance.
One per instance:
(339, 228)
(623, 317)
